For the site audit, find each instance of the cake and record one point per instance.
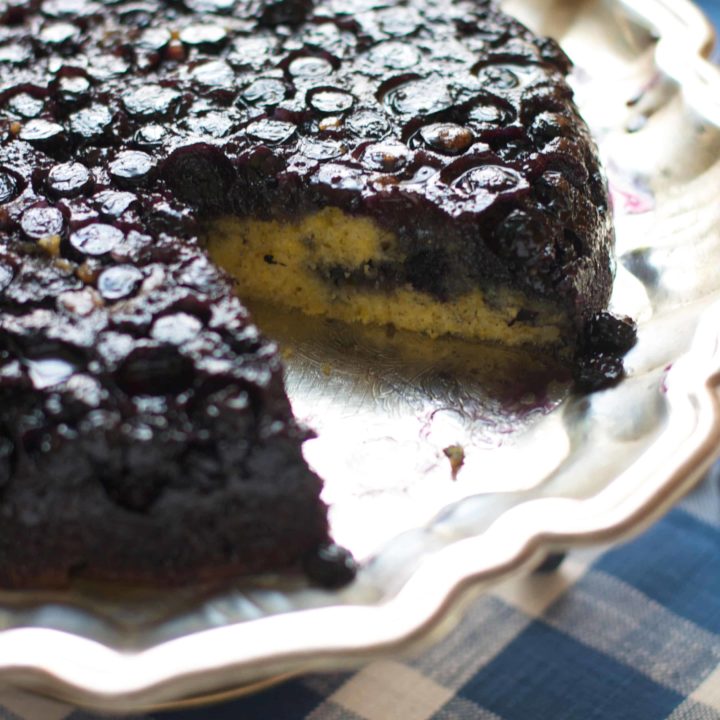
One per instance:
(416, 163)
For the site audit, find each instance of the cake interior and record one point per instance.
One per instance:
(336, 265)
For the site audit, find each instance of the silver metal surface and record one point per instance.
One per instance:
(543, 469)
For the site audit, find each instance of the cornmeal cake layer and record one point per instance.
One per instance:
(418, 163)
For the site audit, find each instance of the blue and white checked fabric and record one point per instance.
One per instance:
(630, 633)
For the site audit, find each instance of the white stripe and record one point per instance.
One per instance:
(708, 692)
(387, 689)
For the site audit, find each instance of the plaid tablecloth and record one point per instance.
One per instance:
(630, 633)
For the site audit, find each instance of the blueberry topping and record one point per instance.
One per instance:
(368, 124)
(271, 131)
(42, 133)
(447, 138)
(119, 282)
(395, 56)
(215, 74)
(113, 204)
(40, 222)
(265, 92)
(386, 156)
(127, 362)
(150, 136)
(131, 168)
(418, 98)
(25, 105)
(96, 239)
(154, 39)
(90, 123)
(6, 276)
(68, 179)
(199, 174)
(309, 67)
(155, 370)
(151, 101)
(330, 101)
(10, 186)
(176, 329)
(204, 37)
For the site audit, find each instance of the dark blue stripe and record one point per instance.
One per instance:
(291, 701)
(677, 564)
(545, 675)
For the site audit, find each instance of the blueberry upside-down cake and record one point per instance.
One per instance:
(417, 163)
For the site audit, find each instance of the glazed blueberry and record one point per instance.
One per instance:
(113, 204)
(330, 101)
(395, 55)
(155, 370)
(609, 333)
(386, 156)
(330, 566)
(6, 276)
(131, 168)
(73, 90)
(199, 174)
(417, 98)
(284, 12)
(25, 105)
(90, 123)
(40, 222)
(59, 34)
(215, 74)
(151, 101)
(210, 6)
(204, 37)
(447, 138)
(154, 38)
(310, 67)
(265, 92)
(150, 136)
(68, 180)
(176, 329)
(271, 131)
(598, 372)
(10, 186)
(369, 124)
(119, 282)
(96, 239)
(42, 133)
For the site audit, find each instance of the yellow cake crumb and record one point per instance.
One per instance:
(279, 261)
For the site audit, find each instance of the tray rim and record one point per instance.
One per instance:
(85, 672)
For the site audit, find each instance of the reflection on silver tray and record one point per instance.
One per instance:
(542, 469)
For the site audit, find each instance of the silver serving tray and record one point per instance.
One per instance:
(543, 469)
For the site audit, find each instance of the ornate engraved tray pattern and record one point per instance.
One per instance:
(543, 469)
